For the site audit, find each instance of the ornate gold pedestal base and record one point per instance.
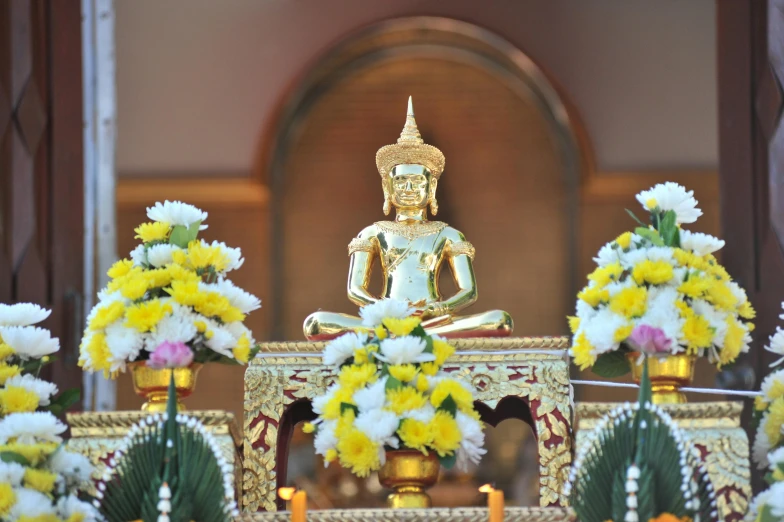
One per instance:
(522, 514)
(714, 427)
(97, 435)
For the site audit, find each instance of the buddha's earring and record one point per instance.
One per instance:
(433, 206)
(433, 202)
(387, 206)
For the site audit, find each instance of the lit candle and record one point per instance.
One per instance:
(299, 504)
(287, 494)
(495, 503)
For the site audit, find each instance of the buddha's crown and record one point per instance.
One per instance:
(410, 149)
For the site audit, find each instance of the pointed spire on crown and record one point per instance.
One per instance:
(410, 132)
(410, 148)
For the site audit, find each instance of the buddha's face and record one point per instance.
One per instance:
(410, 186)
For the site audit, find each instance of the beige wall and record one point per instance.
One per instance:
(198, 80)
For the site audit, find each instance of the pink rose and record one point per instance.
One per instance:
(650, 340)
(170, 355)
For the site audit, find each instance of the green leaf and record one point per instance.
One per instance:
(449, 461)
(668, 229)
(419, 331)
(181, 235)
(634, 217)
(345, 406)
(67, 399)
(10, 456)
(611, 364)
(392, 384)
(765, 515)
(428, 344)
(651, 235)
(449, 405)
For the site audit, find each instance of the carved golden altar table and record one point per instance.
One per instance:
(523, 378)
(714, 428)
(98, 434)
(516, 514)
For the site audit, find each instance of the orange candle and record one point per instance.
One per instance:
(495, 503)
(299, 505)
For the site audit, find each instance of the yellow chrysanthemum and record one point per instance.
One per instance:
(7, 498)
(5, 351)
(401, 327)
(747, 311)
(358, 453)
(145, 316)
(651, 204)
(623, 333)
(594, 296)
(180, 273)
(415, 435)
(134, 286)
(405, 399)
(186, 293)
(155, 231)
(332, 409)
(630, 302)
(40, 480)
(760, 404)
(574, 323)
(429, 368)
(201, 326)
(7, 371)
(98, 352)
(308, 427)
(733, 342)
(34, 453)
(180, 258)
(202, 255)
(345, 422)
(442, 350)
(106, 315)
(697, 333)
(15, 399)
(158, 277)
(401, 372)
(120, 268)
(652, 272)
(331, 455)
(231, 315)
(684, 309)
(381, 332)
(605, 275)
(695, 286)
(421, 383)
(241, 352)
(447, 387)
(445, 433)
(721, 296)
(774, 422)
(44, 517)
(624, 240)
(582, 352)
(356, 376)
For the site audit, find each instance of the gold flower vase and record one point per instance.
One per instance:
(668, 375)
(409, 473)
(153, 384)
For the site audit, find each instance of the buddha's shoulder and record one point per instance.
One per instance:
(408, 229)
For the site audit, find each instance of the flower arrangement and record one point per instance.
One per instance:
(638, 466)
(659, 290)
(391, 393)
(170, 303)
(768, 448)
(168, 468)
(39, 479)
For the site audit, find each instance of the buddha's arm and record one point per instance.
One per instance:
(460, 255)
(363, 252)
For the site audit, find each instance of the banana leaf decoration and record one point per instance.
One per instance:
(169, 469)
(638, 465)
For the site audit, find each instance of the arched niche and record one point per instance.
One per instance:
(514, 149)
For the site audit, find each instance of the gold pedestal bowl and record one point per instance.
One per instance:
(409, 473)
(668, 375)
(153, 384)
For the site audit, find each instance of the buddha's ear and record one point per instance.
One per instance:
(432, 196)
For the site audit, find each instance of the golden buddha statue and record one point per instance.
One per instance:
(412, 251)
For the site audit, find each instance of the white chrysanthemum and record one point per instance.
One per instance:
(472, 441)
(661, 313)
(29, 428)
(176, 213)
(658, 253)
(715, 317)
(404, 350)
(585, 311)
(774, 381)
(239, 298)
(371, 397)
(107, 297)
(22, 314)
(176, 327)
(775, 458)
(31, 504)
(600, 331)
(630, 259)
(71, 508)
(379, 425)
(30, 342)
(124, 345)
(320, 402)
(776, 500)
(424, 414)
(237, 330)
(11, 473)
(139, 256)
(44, 389)
(671, 196)
(76, 468)
(233, 256)
(699, 243)
(325, 438)
(373, 314)
(762, 444)
(757, 504)
(608, 255)
(340, 349)
(221, 341)
(161, 254)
